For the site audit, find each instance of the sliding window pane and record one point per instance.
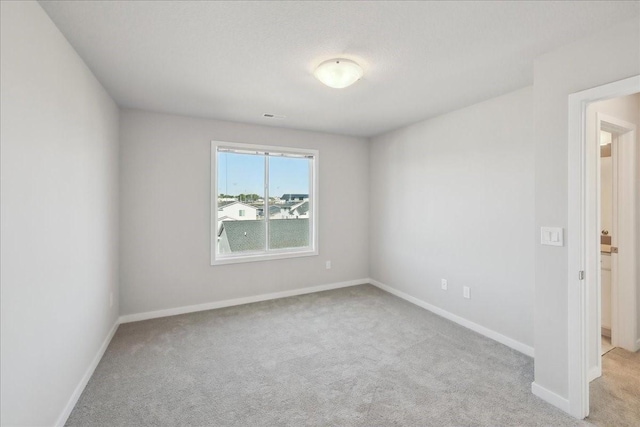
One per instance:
(241, 204)
(290, 205)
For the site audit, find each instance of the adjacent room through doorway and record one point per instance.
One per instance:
(614, 360)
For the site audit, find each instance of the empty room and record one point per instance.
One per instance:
(310, 213)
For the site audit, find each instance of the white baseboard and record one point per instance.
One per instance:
(237, 301)
(638, 345)
(509, 342)
(550, 397)
(62, 419)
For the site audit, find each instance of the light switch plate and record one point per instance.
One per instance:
(552, 236)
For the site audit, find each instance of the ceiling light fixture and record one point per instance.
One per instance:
(338, 73)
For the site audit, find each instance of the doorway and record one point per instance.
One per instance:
(585, 239)
(612, 297)
(614, 373)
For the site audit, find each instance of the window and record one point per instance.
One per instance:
(255, 191)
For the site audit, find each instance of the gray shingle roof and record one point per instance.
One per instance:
(288, 233)
(302, 208)
(274, 210)
(249, 235)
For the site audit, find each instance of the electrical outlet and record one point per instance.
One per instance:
(328, 265)
(111, 300)
(466, 292)
(444, 285)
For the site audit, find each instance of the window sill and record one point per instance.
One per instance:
(262, 257)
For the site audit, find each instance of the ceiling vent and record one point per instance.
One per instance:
(273, 116)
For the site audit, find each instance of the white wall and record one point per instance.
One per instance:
(59, 216)
(452, 197)
(624, 108)
(164, 215)
(557, 74)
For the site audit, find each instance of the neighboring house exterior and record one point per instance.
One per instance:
(245, 236)
(289, 210)
(286, 198)
(278, 212)
(300, 210)
(237, 211)
(290, 206)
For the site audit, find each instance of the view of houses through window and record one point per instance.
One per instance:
(263, 202)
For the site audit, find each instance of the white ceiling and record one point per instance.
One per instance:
(238, 60)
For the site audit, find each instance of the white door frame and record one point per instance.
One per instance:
(583, 241)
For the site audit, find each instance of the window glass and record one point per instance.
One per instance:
(241, 184)
(289, 179)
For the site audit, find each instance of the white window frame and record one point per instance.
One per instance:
(271, 254)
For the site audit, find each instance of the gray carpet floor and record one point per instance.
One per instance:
(614, 398)
(356, 356)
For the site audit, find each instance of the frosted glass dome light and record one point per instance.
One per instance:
(338, 73)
